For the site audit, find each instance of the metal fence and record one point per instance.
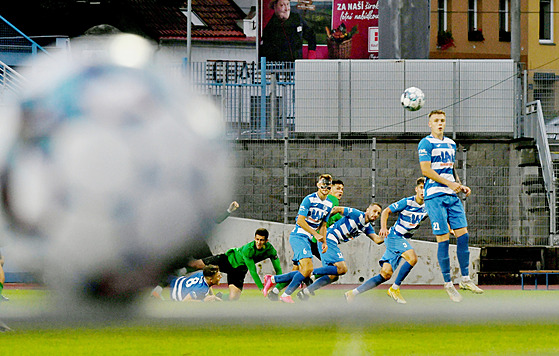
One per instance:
(507, 206)
(275, 100)
(543, 85)
(14, 43)
(257, 101)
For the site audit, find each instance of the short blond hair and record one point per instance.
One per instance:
(437, 112)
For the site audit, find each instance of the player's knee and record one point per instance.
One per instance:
(412, 260)
(342, 270)
(306, 272)
(386, 274)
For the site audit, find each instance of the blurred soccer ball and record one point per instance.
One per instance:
(412, 99)
(115, 169)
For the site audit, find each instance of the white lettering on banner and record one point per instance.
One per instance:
(346, 16)
(355, 6)
(373, 39)
(367, 11)
(370, 15)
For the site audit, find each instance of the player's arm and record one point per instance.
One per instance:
(337, 210)
(232, 207)
(251, 266)
(384, 222)
(277, 265)
(464, 188)
(190, 298)
(376, 238)
(305, 226)
(430, 173)
(322, 230)
(212, 298)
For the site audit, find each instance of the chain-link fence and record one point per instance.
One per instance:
(507, 206)
(543, 85)
(14, 43)
(275, 100)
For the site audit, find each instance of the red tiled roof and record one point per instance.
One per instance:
(164, 19)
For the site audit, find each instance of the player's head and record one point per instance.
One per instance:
(324, 183)
(282, 8)
(419, 185)
(260, 238)
(373, 211)
(212, 274)
(337, 188)
(437, 122)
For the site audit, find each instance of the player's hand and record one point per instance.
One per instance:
(456, 187)
(324, 247)
(212, 298)
(466, 190)
(232, 207)
(383, 232)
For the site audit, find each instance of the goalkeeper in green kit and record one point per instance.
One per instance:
(236, 262)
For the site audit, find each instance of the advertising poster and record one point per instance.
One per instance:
(343, 28)
(359, 17)
(316, 13)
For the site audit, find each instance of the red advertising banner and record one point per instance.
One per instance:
(355, 15)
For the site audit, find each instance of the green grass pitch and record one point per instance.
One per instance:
(499, 322)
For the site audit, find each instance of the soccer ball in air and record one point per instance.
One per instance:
(412, 99)
(114, 170)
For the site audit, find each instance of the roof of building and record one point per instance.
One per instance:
(167, 20)
(157, 19)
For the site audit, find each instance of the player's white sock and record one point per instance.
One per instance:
(466, 278)
(273, 279)
(275, 290)
(355, 291)
(448, 284)
(395, 287)
(284, 295)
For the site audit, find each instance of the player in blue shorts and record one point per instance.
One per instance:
(411, 211)
(196, 287)
(436, 158)
(350, 226)
(312, 217)
(336, 193)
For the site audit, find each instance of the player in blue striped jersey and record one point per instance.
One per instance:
(411, 211)
(436, 158)
(312, 217)
(197, 286)
(350, 226)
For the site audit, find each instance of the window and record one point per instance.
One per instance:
(474, 23)
(442, 12)
(472, 15)
(546, 21)
(504, 20)
(195, 19)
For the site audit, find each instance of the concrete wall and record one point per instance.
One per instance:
(498, 211)
(361, 254)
